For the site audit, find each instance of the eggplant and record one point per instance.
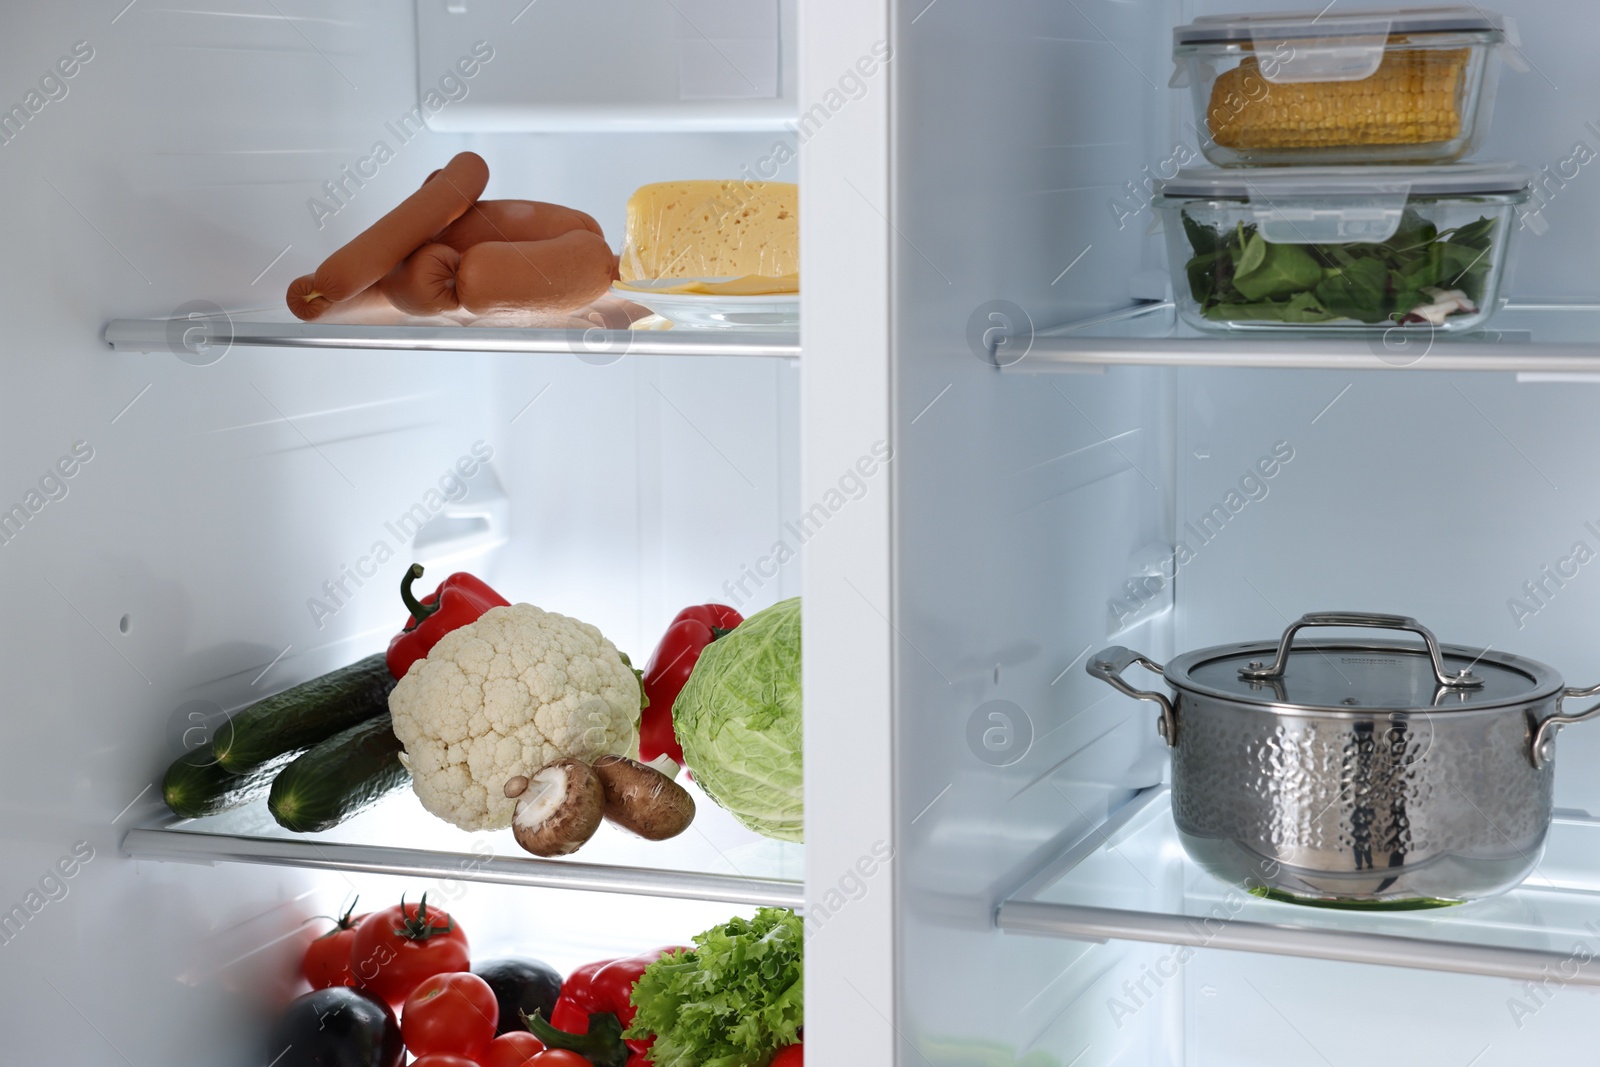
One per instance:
(336, 1027)
(520, 985)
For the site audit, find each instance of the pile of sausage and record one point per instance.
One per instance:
(443, 250)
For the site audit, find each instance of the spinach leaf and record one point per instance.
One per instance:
(1203, 239)
(1267, 270)
(1356, 291)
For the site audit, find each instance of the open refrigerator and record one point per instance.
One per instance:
(993, 433)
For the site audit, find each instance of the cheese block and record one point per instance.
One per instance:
(729, 237)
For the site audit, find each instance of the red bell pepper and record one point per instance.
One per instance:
(669, 667)
(595, 1006)
(459, 600)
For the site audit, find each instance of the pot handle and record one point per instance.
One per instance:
(1541, 747)
(1108, 667)
(1464, 679)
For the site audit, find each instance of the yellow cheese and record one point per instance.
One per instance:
(732, 237)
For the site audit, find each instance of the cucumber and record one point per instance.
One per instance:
(347, 773)
(303, 715)
(196, 785)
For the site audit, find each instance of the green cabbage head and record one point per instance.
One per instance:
(738, 720)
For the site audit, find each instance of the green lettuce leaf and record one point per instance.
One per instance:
(731, 1001)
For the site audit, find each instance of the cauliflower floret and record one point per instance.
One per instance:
(504, 696)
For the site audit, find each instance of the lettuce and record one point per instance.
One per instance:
(733, 1000)
(738, 720)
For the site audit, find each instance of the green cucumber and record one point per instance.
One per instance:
(303, 715)
(196, 785)
(347, 773)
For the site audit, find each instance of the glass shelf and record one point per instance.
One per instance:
(715, 859)
(1528, 338)
(205, 337)
(1131, 880)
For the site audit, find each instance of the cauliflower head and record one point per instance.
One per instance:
(506, 695)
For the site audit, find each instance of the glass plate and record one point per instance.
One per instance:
(713, 311)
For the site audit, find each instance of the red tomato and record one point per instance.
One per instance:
(515, 1049)
(396, 948)
(790, 1056)
(327, 959)
(452, 1012)
(553, 1057)
(446, 1059)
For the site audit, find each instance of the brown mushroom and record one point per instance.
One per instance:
(642, 800)
(558, 808)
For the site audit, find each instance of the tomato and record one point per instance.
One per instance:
(446, 1059)
(553, 1057)
(515, 1049)
(452, 1012)
(789, 1056)
(396, 948)
(327, 959)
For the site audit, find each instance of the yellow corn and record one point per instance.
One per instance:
(1414, 97)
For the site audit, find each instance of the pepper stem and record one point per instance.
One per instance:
(419, 610)
(602, 1045)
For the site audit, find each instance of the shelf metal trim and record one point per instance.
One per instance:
(165, 335)
(1078, 922)
(177, 845)
(1079, 346)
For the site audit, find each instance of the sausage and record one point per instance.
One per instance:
(377, 249)
(560, 274)
(514, 220)
(425, 281)
(307, 302)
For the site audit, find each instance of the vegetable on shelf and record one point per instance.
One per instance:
(690, 631)
(558, 809)
(395, 949)
(642, 800)
(520, 985)
(335, 1027)
(460, 599)
(303, 715)
(1419, 275)
(344, 775)
(514, 1049)
(196, 785)
(455, 1012)
(596, 1005)
(792, 1056)
(327, 959)
(736, 998)
(504, 696)
(738, 718)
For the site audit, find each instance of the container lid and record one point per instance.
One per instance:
(1290, 25)
(1448, 179)
(1357, 675)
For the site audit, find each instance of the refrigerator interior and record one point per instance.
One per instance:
(201, 554)
(1033, 509)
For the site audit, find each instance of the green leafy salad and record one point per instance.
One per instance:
(1419, 275)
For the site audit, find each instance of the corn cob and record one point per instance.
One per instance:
(1412, 98)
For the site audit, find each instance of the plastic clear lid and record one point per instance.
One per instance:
(1224, 29)
(1445, 180)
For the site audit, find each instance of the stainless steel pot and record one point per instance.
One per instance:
(1359, 772)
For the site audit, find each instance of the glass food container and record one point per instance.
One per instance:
(1414, 85)
(1354, 248)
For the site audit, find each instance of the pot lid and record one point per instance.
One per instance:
(1363, 674)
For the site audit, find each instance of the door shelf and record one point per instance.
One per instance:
(1130, 879)
(715, 859)
(205, 338)
(1524, 338)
